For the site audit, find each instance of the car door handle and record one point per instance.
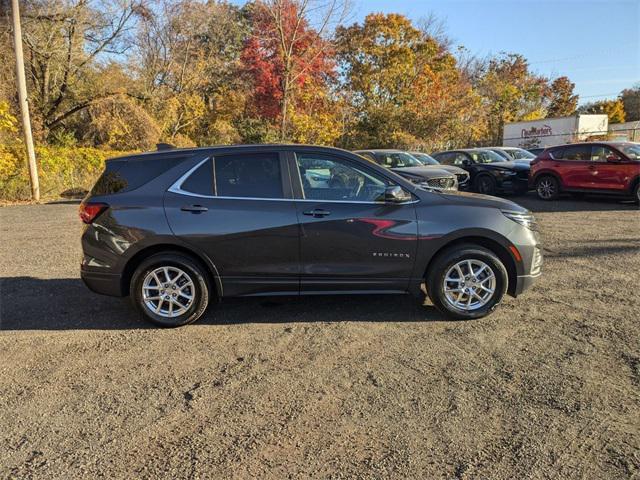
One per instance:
(194, 208)
(317, 213)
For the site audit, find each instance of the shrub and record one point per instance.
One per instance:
(59, 169)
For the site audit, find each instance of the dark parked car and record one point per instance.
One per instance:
(177, 229)
(514, 154)
(536, 151)
(461, 174)
(601, 167)
(490, 173)
(412, 169)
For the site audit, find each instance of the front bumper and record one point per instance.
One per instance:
(524, 282)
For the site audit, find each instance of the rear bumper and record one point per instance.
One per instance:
(103, 283)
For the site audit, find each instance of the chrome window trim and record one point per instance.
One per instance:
(176, 188)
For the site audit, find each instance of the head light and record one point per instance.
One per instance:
(525, 219)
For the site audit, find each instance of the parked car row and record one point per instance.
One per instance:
(596, 167)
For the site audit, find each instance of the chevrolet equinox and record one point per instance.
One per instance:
(179, 228)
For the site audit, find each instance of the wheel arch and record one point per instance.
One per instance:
(496, 247)
(550, 173)
(146, 252)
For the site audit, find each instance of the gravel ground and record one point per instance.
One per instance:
(342, 387)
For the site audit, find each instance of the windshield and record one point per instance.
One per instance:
(485, 156)
(520, 154)
(425, 159)
(631, 151)
(397, 160)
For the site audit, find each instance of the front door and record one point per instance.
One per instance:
(609, 168)
(576, 167)
(350, 239)
(239, 211)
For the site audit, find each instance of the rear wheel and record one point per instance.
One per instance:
(170, 289)
(486, 185)
(467, 282)
(547, 187)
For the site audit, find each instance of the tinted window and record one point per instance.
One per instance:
(124, 175)
(331, 178)
(458, 159)
(397, 160)
(254, 175)
(200, 181)
(576, 153)
(444, 158)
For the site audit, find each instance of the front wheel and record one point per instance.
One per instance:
(170, 289)
(486, 185)
(467, 282)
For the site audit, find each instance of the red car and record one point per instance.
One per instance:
(599, 167)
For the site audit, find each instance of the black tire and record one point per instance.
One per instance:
(636, 193)
(547, 187)
(435, 281)
(485, 184)
(201, 290)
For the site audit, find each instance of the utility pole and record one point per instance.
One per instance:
(24, 105)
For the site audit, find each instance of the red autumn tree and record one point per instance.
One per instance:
(286, 55)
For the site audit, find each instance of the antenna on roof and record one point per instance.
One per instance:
(165, 146)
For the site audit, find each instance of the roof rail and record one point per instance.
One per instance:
(164, 146)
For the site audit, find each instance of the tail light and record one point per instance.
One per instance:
(89, 211)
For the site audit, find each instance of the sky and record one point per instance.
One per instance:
(595, 43)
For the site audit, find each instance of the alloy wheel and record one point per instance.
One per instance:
(546, 188)
(469, 284)
(168, 291)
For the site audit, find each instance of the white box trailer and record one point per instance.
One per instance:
(554, 131)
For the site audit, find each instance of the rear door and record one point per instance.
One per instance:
(574, 165)
(238, 209)
(351, 240)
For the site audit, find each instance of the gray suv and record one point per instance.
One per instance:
(177, 229)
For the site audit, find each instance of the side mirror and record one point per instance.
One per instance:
(395, 194)
(466, 162)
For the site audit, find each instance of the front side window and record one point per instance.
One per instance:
(600, 153)
(335, 179)
(521, 154)
(459, 159)
(250, 175)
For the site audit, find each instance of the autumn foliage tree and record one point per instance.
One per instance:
(402, 85)
(563, 101)
(286, 56)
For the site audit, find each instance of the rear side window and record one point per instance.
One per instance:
(200, 181)
(578, 153)
(254, 175)
(124, 175)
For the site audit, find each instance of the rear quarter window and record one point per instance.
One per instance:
(126, 174)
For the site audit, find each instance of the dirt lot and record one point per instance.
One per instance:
(347, 387)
